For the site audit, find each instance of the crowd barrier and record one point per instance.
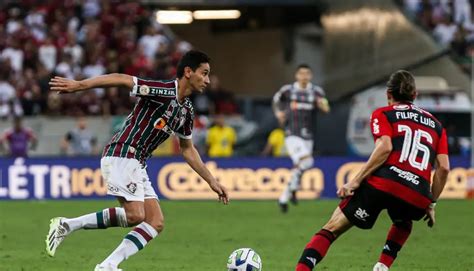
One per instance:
(245, 178)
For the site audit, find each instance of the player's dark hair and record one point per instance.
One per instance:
(402, 86)
(191, 59)
(303, 66)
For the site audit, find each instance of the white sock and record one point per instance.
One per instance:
(134, 241)
(110, 217)
(285, 196)
(294, 183)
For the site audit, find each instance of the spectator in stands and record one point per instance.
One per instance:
(9, 103)
(275, 144)
(18, 139)
(224, 100)
(221, 138)
(444, 32)
(14, 54)
(80, 141)
(47, 54)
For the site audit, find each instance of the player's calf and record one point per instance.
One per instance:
(397, 236)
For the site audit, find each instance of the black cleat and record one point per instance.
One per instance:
(293, 198)
(283, 207)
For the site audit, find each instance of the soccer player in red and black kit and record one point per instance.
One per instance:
(163, 109)
(409, 141)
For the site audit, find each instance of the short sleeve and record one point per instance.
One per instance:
(380, 125)
(443, 143)
(281, 96)
(154, 89)
(186, 130)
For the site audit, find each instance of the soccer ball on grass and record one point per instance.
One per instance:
(244, 259)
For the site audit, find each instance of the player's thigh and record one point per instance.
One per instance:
(338, 223)
(124, 178)
(297, 148)
(153, 214)
(363, 208)
(134, 210)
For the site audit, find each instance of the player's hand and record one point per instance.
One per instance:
(347, 189)
(430, 216)
(64, 85)
(221, 191)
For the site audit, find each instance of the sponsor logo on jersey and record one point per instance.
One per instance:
(163, 92)
(401, 107)
(159, 124)
(112, 188)
(301, 106)
(361, 214)
(408, 176)
(144, 90)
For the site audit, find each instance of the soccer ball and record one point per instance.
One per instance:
(244, 259)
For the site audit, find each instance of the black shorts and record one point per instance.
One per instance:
(363, 208)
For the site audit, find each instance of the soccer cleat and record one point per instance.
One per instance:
(293, 198)
(57, 232)
(283, 207)
(106, 268)
(380, 267)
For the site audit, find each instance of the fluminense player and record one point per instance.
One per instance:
(163, 109)
(294, 106)
(409, 141)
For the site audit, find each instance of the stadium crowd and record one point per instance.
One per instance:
(451, 24)
(79, 39)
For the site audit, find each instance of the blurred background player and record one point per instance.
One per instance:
(409, 141)
(294, 106)
(80, 141)
(221, 138)
(18, 139)
(163, 109)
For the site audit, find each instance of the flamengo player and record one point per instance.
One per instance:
(293, 106)
(163, 109)
(409, 141)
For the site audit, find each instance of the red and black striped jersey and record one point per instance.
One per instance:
(417, 138)
(156, 115)
(299, 104)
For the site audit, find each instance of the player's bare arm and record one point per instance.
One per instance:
(439, 180)
(193, 158)
(65, 85)
(383, 147)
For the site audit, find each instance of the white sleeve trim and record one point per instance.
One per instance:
(183, 136)
(134, 90)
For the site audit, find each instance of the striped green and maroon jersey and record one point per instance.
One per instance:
(299, 104)
(156, 115)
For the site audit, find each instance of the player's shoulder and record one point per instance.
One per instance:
(286, 87)
(383, 109)
(317, 89)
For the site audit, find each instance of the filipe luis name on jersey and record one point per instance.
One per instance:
(416, 117)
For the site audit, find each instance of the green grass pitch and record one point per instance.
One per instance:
(200, 235)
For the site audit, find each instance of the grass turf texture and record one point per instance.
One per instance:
(200, 235)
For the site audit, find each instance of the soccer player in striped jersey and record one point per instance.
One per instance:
(294, 106)
(163, 109)
(409, 142)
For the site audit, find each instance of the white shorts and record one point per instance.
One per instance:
(298, 148)
(126, 178)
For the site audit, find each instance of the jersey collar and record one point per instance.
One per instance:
(296, 85)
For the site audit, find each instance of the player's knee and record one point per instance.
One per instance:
(306, 163)
(157, 224)
(135, 217)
